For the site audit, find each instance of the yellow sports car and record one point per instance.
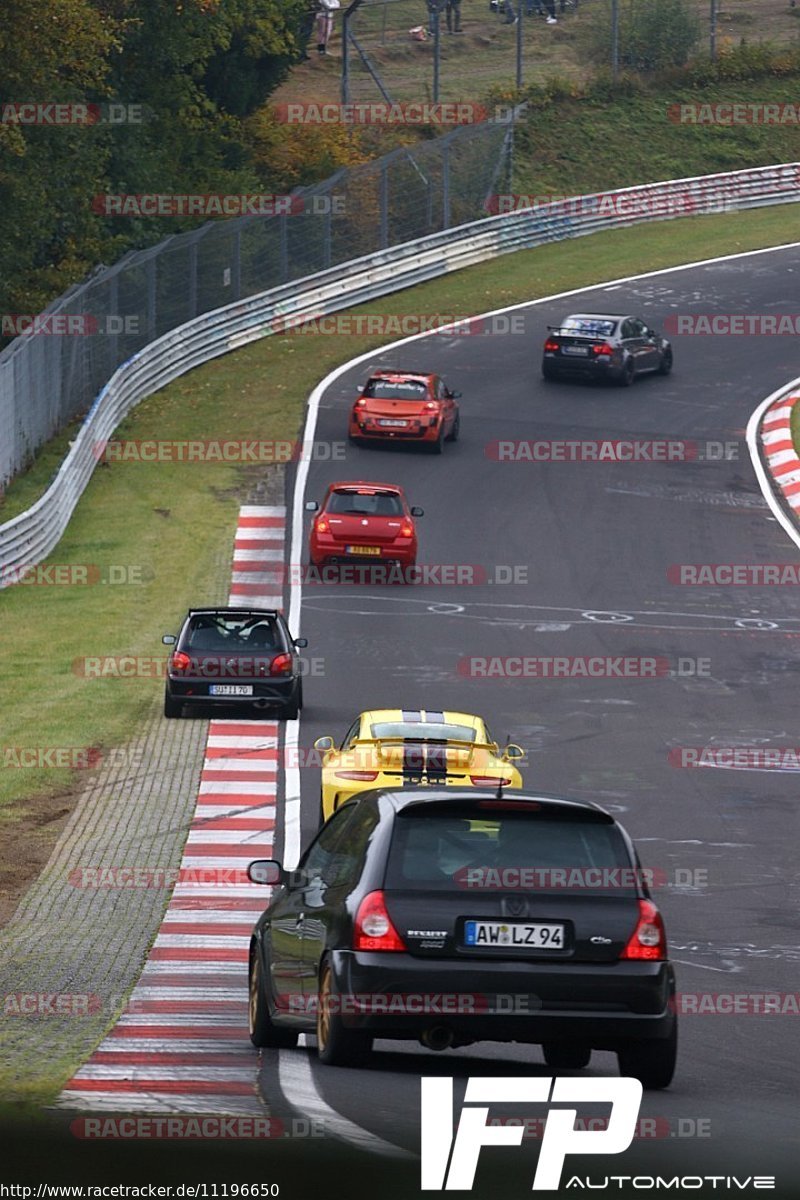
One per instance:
(396, 747)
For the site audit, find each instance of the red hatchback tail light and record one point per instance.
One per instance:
(180, 661)
(281, 665)
(649, 939)
(373, 928)
(406, 529)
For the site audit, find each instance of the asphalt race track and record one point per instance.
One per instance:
(596, 540)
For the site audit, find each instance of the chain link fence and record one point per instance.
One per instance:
(51, 376)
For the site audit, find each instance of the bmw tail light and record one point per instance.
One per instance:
(361, 776)
(180, 661)
(602, 348)
(649, 939)
(281, 665)
(551, 345)
(373, 928)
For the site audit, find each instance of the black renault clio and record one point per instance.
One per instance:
(466, 916)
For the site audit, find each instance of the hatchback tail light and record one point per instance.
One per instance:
(488, 781)
(551, 345)
(322, 525)
(281, 665)
(602, 348)
(362, 776)
(180, 661)
(432, 404)
(649, 939)
(361, 402)
(373, 928)
(406, 530)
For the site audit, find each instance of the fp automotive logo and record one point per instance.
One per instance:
(450, 1163)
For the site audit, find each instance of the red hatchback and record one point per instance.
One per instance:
(402, 407)
(364, 522)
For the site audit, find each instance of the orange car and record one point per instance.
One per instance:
(405, 407)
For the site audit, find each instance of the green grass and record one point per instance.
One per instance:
(174, 521)
(573, 146)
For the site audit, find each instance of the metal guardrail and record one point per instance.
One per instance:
(32, 535)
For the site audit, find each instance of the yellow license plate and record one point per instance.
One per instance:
(363, 550)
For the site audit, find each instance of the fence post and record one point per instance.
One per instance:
(446, 185)
(192, 279)
(615, 38)
(520, 10)
(151, 298)
(283, 230)
(236, 273)
(437, 44)
(713, 30)
(384, 206)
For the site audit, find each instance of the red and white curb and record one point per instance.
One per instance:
(181, 1046)
(779, 451)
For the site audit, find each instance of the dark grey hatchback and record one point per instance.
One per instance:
(234, 656)
(466, 916)
(611, 346)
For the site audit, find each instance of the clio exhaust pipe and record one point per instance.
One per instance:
(438, 1037)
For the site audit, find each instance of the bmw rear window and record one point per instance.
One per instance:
(396, 389)
(589, 326)
(507, 852)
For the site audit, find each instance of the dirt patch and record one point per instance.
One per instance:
(26, 843)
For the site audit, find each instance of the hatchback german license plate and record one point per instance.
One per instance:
(363, 549)
(517, 935)
(394, 424)
(581, 350)
(230, 689)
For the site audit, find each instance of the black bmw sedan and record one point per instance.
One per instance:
(466, 916)
(607, 346)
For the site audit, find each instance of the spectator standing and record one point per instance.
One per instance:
(453, 13)
(325, 23)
